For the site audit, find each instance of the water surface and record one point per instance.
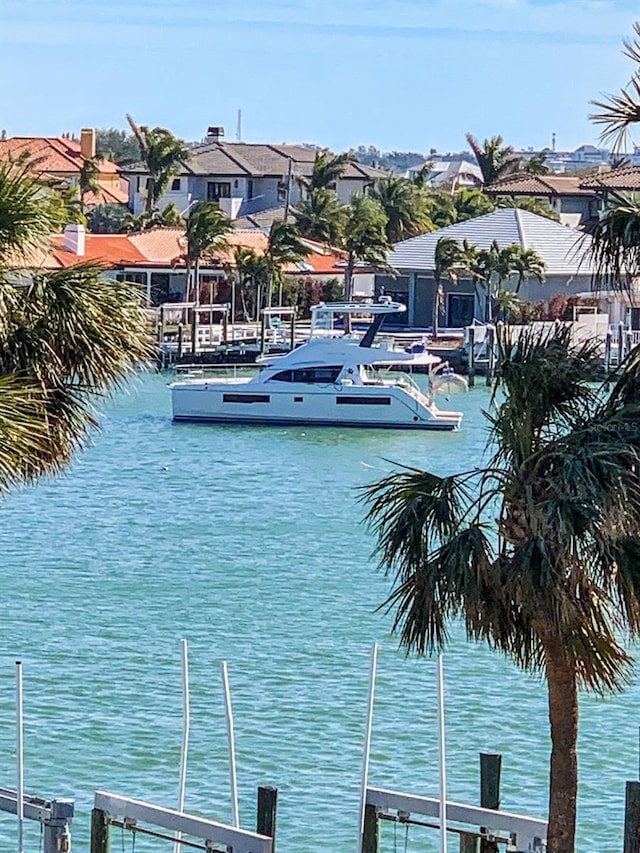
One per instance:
(249, 542)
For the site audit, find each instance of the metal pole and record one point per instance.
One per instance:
(367, 742)
(186, 721)
(443, 759)
(20, 754)
(232, 747)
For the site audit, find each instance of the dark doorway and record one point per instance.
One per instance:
(460, 310)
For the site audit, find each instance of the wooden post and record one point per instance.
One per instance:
(491, 354)
(607, 355)
(620, 342)
(472, 356)
(371, 834)
(194, 330)
(225, 328)
(292, 338)
(628, 343)
(179, 341)
(632, 818)
(99, 832)
(468, 843)
(490, 768)
(161, 324)
(267, 812)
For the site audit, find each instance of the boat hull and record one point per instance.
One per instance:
(336, 405)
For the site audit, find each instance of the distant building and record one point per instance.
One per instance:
(576, 204)
(59, 161)
(452, 175)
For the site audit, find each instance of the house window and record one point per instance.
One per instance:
(175, 185)
(249, 188)
(133, 277)
(282, 191)
(217, 190)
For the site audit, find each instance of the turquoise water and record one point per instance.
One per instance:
(249, 542)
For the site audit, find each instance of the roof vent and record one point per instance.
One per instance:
(215, 134)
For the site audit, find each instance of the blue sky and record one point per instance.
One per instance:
(397, 74)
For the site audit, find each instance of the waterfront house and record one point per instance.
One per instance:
(611, 181)
(58, 161)
(564, 251)
(574, 200)
(155, 259)
(244, 178)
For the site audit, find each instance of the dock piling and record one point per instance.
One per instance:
(267, 812)
(472, 356)
(490, 769)
(99, 831)
(491, 355)
(632, 818)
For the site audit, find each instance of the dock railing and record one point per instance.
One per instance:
(55, 817)
(146, 818)
(521, 833)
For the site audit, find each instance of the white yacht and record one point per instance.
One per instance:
(333, 379)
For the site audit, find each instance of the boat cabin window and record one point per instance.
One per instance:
(324, 374)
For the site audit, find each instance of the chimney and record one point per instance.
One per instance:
(214, 134)
(88, 142)
(74, 239)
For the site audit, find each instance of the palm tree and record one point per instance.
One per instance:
(251, 269)
(615, 243)
(447, 263)
(472, 202)
(284, 246)
(364, 239)
(494, 266)
(327, 168)
(527, 263)
(406, 206)
(538, 550)
(495, 160)
(89, 172)
(320, 217)
(619, 112)
(206, 229)
(537, 165)
(163, 155)
(66, 338)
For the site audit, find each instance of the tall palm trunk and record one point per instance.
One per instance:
(435, 312)
(563, 718)
(348, 289)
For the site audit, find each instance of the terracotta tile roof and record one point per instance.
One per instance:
(51, 154)
(109, 249)
(165, 247)
(540, 185)
(622, 180)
